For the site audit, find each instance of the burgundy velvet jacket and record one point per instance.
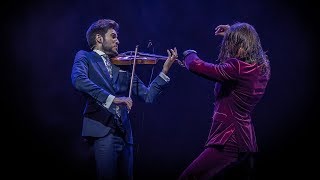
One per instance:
(239, 87)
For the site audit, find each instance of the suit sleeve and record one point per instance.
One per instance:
(148, 94)
(81, 81)
(226, 71)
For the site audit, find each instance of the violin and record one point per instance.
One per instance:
(127, 58)
(135, 57)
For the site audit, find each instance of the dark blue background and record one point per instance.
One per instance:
(42, 37)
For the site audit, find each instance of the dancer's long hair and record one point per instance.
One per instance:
(241, 41)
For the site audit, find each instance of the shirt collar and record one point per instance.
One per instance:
(99, 52)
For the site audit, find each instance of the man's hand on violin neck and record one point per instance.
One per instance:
(167, 65)
(172, 56)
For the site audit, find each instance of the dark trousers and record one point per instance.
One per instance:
(113, 157)
(208, 164)
(215, 163)
(243, 169)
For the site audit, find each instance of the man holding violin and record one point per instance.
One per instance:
(106, 124)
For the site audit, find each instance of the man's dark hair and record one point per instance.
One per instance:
(100, 27)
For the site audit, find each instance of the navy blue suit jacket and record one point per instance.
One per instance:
(90, 76)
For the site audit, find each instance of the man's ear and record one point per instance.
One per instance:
(99, 38)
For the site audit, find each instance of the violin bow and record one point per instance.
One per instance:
(133, 70)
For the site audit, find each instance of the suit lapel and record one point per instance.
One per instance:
(115, 73)
(104, 69)
(99, 61)
(115, 70)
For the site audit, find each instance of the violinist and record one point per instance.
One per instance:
(107, 89)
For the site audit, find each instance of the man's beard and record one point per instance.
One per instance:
(111, 52)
